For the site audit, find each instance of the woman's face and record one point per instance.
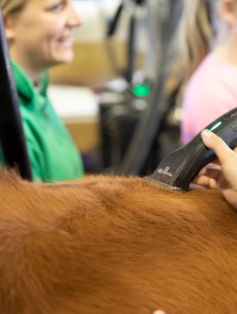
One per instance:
(41, 34)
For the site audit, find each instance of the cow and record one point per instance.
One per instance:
(112, 245)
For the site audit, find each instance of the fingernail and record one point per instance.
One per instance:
(207, 133)
(158, 312)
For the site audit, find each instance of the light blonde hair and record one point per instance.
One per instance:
(11, 6)
(195, 33)
(193, 40)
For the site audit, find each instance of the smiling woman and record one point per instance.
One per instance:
(40, 36)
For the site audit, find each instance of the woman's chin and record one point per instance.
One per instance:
(64, 58)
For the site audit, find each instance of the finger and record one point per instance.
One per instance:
(213, 173)
(206, 182)
(158, 312)
(222, 151)
(216, 162)
(194, 186)
(214, 165)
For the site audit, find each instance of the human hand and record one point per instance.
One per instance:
(225, 176)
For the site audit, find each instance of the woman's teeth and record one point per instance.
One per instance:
(65, 39)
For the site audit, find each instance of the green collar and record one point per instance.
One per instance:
(26, 88)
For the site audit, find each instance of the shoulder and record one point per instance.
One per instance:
(213, 83)
(204, 78)
(210, 93)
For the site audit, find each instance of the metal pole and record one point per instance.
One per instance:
(12, 137)
(149, 124)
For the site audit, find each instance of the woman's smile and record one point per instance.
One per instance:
(66, 41)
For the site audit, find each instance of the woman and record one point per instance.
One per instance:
(40, 35)
(208, 58)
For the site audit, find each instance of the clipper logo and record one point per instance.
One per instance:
(166, 172)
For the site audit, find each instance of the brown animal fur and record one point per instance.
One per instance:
(110, 245)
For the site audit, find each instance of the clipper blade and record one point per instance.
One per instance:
(164, 185)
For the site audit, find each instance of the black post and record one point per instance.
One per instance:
(114, 23)
(131, 49)
(12, 137)
(148, 126)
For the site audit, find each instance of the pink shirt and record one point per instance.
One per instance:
(210, 93)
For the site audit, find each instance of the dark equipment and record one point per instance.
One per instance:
(12, 137)
(131, 129)
(178, 169)
(119, 118)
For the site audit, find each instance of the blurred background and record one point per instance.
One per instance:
(113, 97)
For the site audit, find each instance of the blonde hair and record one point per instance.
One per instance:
(193, 41)
(195, 34)
(11, 6)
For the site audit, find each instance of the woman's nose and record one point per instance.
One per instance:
(74, 19)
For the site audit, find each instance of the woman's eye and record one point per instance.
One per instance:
(57, 7)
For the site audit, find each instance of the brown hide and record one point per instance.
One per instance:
(110, 245)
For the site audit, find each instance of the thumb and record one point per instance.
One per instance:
(212, 141)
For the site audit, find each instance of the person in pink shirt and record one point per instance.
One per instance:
(208, 39)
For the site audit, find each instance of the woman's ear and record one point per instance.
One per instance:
(9, 28)
(227, 11)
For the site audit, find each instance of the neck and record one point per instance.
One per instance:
(34, 74)
(226, 47)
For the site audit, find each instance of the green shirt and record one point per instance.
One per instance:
(52, 154)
